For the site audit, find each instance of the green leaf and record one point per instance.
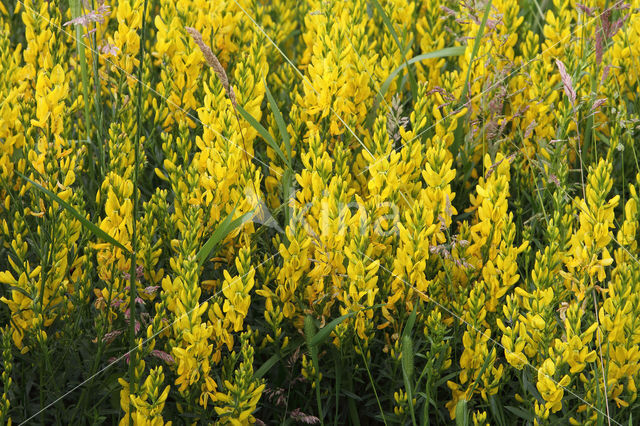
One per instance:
(339, 373)
(309, 334)
(325, 331)
(402, 49)
(462, 414)
(220, 233)
(353, 413)
(407, 359)
(476, 46)
(485, 365)
(287, 187)
(521, 413)
(496, 410)
(459, 134)
(264, 133)
(284, 134)
(18, 289)
(530, 387)
(407, 370)
(279, 121)
(83, 220)
(408, 328)
(268, 364)
(274, 359)
(442, 53)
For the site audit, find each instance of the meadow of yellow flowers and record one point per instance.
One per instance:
(319, 212)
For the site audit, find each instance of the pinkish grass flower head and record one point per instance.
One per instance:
(92, 16)
(567, 82)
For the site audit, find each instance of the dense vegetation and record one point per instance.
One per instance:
(336, 212)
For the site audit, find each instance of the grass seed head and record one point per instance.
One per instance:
(214, 63)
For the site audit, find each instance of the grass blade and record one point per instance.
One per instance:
(76, 11)
(274, 359)
(407, 371)
(83, 220)
(339, 374)
(525, 415)
(287, 194)
(408, 328)
(462, 414)
(264, 133)
(325, 331)
(373, 385)
(310, 334)
(279, 121)
(442, 53)
(403, 51)
(476, 47)
(284, 134)
(264, 368)
(459, 135)
(220, 233)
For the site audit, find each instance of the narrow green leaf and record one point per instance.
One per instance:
(408, 328)
(325, 331)
(287, 188)
(403, 49)
(407, 370)
(521, 413)
(264, 133)
(18, 289)
(279, 121)
(442, 53)
(353, 413)
(338, 366)
(353, 397)
(83, 220)
(497, 410)
(220, 233)
(373, 385)
(446, 378)
(487, 361)
(459, 133)
(309, 330)
(476, 46)
(309, 334)
(268, 364)
(275, 358)
(462, 414)
(76, 11)
(530, 387)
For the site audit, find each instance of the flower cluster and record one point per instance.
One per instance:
(379, 211)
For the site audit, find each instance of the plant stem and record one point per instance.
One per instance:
(75, 12)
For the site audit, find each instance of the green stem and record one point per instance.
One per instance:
(75, 12)
(476, 47)
(373, 385)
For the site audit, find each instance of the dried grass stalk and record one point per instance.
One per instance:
(214, 63)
